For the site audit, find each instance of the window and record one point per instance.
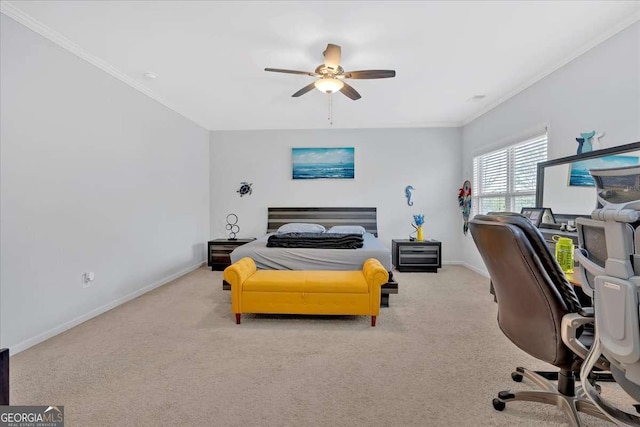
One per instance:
(505, 180)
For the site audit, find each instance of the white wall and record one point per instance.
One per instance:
(95, 176)
(386, 161)
(600, 90)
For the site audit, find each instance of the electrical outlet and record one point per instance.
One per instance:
(87, 278)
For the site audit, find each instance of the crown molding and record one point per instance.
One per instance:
(427, 125)
(33, 24)
(632, 19)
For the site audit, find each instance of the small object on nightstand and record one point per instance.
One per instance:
(219, 250)
(412, 255)
(418, 222)
(232, 226)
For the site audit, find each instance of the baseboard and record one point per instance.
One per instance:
(15, 349)
(469, 266)
(477, 270)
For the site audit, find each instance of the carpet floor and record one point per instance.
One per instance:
(175, 356)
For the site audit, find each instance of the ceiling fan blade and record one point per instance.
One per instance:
(332, 56)
(370, 74)
(280, 70)
(304, 90)
(350, 92)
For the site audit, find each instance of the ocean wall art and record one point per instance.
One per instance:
(323, 163)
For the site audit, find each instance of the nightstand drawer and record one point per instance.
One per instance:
(220, 258)
(418, 260)
(220, 249)
(408, 250)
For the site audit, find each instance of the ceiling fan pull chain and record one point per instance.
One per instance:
(330, 118)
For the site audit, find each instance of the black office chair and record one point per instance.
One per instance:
(538, 311)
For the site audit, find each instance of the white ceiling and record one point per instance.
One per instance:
(209, 56)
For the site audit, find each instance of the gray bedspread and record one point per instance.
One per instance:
(313, 259)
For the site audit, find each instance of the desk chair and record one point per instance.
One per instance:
(610, 264)
(537, 310)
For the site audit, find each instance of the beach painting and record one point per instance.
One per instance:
(579, 175)
(323, 163)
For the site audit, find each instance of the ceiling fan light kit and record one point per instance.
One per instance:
(330, 75)
(328, 84)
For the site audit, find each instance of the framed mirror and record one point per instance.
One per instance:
(565, 186)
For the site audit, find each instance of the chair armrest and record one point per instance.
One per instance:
(236, 274)
(571, 322)
(586, 312)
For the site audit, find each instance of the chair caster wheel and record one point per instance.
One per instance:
(596, 386)
(498, 405)
(516, 377)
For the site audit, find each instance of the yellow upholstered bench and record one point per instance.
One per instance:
(306, 292)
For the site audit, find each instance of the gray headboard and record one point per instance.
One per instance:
(328, 217)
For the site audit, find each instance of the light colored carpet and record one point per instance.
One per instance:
(176, 357)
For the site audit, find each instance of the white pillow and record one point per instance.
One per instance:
(347, 229)
(301, 227)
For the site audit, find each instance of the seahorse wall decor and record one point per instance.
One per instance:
(407, 193)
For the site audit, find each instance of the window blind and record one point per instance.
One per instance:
(505, 180)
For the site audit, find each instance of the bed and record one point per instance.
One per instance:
(320, 259)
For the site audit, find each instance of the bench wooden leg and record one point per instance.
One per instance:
(373, 321)
(238, 318)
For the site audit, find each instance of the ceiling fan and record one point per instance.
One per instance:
(331, 74)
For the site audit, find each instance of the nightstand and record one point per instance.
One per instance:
(411, 255)
(219, 250)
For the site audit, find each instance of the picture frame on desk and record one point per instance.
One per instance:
(539, 216)
(534, 215)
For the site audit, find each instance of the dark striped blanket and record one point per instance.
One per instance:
(315, 240)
